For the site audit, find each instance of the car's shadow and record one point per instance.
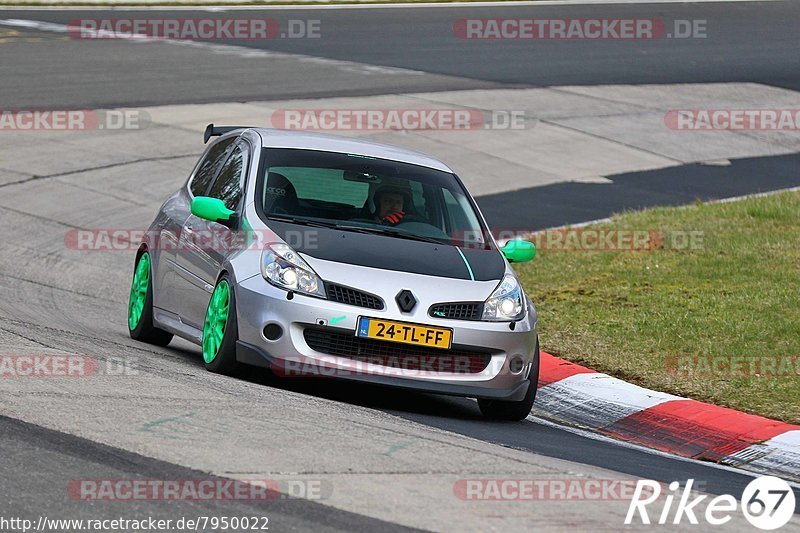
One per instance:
(397, 401)
(366, 395)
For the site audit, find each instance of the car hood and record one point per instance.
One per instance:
(391, 253)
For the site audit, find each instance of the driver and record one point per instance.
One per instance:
(390, 204)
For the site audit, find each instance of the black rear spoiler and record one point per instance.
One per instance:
(216, 131)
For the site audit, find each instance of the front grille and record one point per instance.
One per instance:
(349, 296)
(458, 311)
(395, 355)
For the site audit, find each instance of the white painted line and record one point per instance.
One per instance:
(365, 5)
(227, 49)
(34, 24)
(754, 195)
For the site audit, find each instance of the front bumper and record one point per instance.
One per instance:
(260, 304)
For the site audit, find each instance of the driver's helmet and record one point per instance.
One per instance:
(395, 186)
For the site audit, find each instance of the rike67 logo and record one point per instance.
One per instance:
(767, 502)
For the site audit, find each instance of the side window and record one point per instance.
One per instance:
(460, 215)
(206, 170)
(418, 198)
(228, 186)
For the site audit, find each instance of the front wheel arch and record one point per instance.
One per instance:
(223, 360)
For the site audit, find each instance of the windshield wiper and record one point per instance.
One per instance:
(390, 231)
(356, 229)
(301, 221)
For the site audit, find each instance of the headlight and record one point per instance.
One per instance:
(284, 268)
(506, 303)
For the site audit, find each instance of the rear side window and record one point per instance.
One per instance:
(228, 186)
(207, 169)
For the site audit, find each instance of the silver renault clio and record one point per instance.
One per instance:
(318, 255)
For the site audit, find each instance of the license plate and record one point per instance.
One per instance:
(389, 330)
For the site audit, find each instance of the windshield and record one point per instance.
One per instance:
(358, 193)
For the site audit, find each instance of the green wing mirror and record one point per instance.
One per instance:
(519, 251)
(213, 209)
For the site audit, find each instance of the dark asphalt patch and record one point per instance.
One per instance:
(38, 464)
(560, 204)
(745, 42)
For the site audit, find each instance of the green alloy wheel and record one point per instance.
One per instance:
(140, 306)
(216, 320)
(219, 330)
(141, 282)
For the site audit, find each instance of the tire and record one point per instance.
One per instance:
(220, 329)
(140, 305)
(510, 410)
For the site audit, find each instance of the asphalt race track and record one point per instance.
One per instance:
(746, 42)
(387, 460)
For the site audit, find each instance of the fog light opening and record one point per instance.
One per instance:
(273, 332)
(516, 365)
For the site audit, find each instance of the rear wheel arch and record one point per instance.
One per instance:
(140, 305)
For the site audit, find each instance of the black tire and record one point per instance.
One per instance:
(145, 331)
(225, 361)
(510, 410)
